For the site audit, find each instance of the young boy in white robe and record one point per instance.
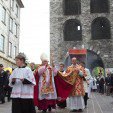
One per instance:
(22, 82)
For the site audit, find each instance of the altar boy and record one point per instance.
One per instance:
(22, 82)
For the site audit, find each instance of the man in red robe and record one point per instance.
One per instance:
(50, 86)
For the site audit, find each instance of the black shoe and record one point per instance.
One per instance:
(80, 110)
(44, 111)
(49, 109)
(74, 110)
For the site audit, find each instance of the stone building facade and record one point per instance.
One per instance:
(9, 31)
(59, 46)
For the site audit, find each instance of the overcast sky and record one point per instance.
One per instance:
(34, 33)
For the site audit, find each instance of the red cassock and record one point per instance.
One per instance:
(36, 89)
(63, 89)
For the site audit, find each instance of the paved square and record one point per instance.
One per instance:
(96, 104)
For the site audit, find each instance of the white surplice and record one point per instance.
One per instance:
(20, 90)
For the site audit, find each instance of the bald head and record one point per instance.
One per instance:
(74, 60)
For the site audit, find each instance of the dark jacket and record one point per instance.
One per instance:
(111, 79)
(101, 81)
(3, 78)
(108, 80)
(3, 83)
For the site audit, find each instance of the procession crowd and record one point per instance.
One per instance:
(48, 87)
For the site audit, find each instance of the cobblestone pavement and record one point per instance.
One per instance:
(96, 104)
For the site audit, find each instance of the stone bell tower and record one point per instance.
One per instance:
(81, 24)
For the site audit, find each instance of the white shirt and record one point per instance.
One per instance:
(85, 86)
(88, 77)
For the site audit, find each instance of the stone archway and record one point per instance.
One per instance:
(94, 60)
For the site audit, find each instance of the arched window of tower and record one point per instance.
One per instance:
(72, 30)
(100, 28)
(72, 7)
(99, 6)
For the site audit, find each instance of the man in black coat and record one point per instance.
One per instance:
(101, 83)
(108, 84)
(3, 79)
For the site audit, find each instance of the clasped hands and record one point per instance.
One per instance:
(14, 79)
